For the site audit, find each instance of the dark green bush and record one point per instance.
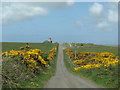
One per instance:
(13, 73)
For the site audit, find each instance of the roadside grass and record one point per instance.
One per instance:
(23, 78)
(107, 79)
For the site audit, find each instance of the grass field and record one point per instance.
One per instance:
(101, 77)
(24, 78)
(94, 48)
(7, 46)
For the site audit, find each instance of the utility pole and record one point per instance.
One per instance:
(70, 45)
(75, 50)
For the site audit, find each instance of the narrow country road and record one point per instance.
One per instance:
(64, 79)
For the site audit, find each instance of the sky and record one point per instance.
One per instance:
(64, 22)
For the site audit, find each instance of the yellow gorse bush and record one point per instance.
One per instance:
(27, 47)
(78, 62)
(68, 51)
(31, 57)
(89, 60)
(5, 54)
(12, 52)
(52, 54)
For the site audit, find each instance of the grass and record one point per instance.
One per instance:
(7, 46)
(98, 75)
(98, 48)
(40, 80)
(20, 74)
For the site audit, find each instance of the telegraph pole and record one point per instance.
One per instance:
(75, 50)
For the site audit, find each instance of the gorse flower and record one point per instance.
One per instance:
(27, 47)
(89, 60)
(21, 48)
(52, 54)
(5, 54)
(32, 57)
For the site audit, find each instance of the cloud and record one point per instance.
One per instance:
(70, 2)
(96, 10)
(17, 11)
(113, 0)
(79, 24)
(102, 25)
(55, 5)
(112, 16)
(112, 13)
(105, 16)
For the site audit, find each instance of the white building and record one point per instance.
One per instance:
(48, 41)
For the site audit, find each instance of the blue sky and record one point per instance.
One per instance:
(81, 22)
